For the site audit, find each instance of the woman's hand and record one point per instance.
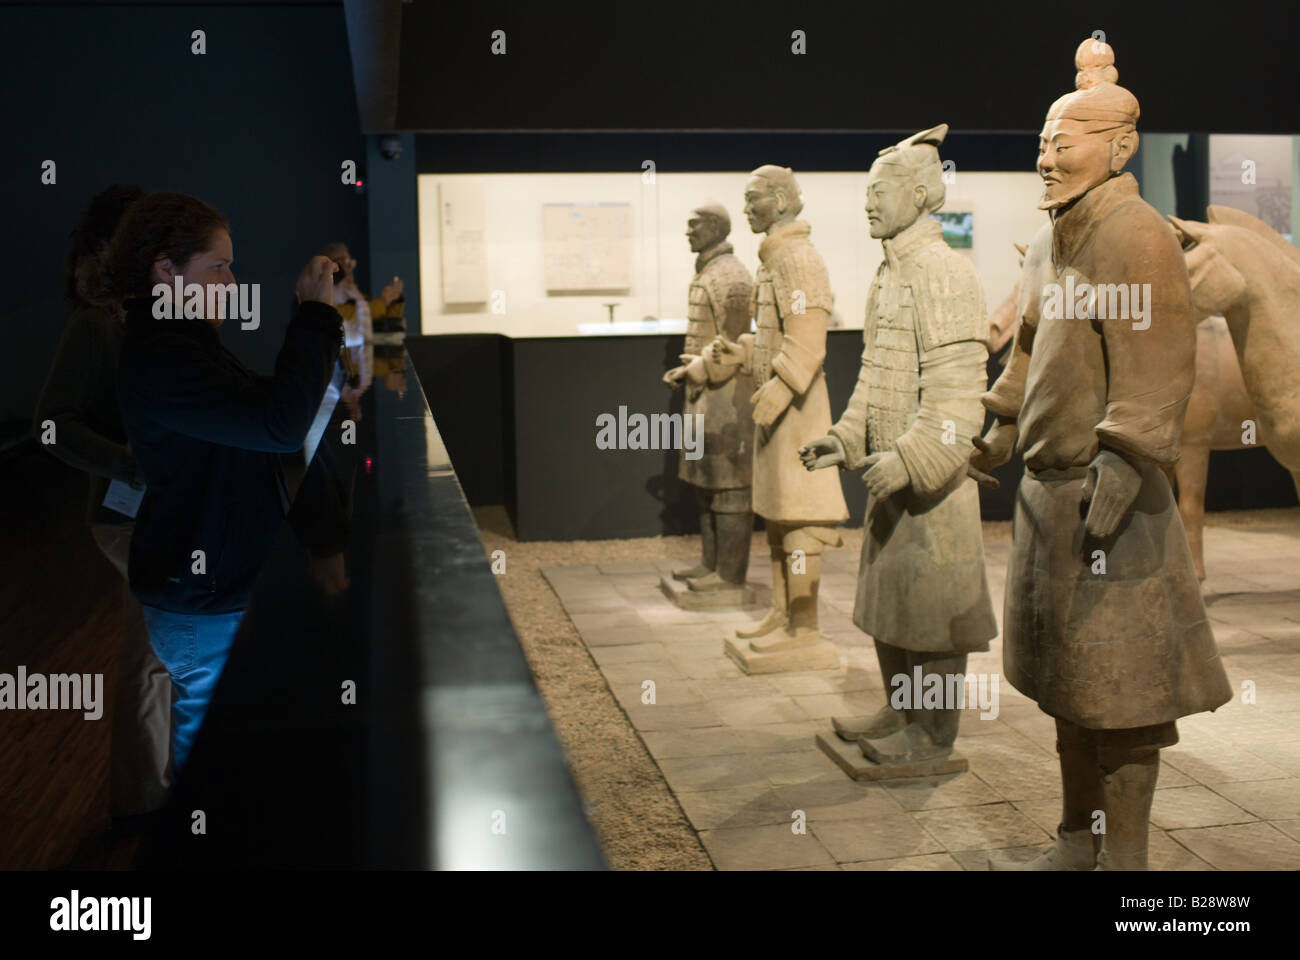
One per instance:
(316, 282)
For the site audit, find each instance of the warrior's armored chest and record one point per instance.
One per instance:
(768, 328)
(701, 324)
(894, 398)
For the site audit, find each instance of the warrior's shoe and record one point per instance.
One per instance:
(776, 617)
(711, 581)
(882, 723)
(1073, 850)
(907, 745)
(774, 620)
(787, 639)
(690, 573)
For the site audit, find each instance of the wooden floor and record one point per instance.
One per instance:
(60, 612)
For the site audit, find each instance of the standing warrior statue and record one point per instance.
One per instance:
(791, 306)
(922, 594)
(718, 307)
(1104, 624)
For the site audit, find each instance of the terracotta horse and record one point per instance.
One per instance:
(1246, 284)
(1246, 293)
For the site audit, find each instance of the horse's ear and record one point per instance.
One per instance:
(1189, 231)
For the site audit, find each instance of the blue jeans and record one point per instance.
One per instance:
(193, 648)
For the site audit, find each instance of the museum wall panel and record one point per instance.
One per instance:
(514, 249)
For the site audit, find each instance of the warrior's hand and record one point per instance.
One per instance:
(673, 377)
(1112, 485)
(824, 452)
(770, 401)
(726, 353)
(888, 474)
(694, 367)
(991, 451)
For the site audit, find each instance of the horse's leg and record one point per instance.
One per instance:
(1192, 469)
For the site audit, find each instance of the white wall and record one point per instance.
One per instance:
(1003, 205)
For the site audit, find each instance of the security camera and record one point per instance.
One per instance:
(390, 146)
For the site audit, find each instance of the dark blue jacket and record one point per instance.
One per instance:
(207, 434)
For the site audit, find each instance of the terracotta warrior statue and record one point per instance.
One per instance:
(1104, 625)
(718, 307)
(791, 306)
(922, 594)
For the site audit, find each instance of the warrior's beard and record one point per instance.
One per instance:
(1072, 194)
(1061, 200)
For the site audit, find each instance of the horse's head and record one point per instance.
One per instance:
(1216, 283)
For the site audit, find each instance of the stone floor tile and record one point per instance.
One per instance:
(1290, 827)
(744, 713)
(737, 685)
(834, 867)
(1045, 813)
(621, 622)
(977, 861)
(929, 861)
(836, 797)
(852, 680)
(664, 717)
(1027, 780)
(1180, 808)
(1242, 846)
(787, 767)
(768, 738)
(1265, 799)
(1012, 747)
(1172, 777)
(764, 848)
(1248, 755)
(629, 653)
(981, 828)
(875, 838)
(667, 693)
(635, 671)
(933, 793)
(744, 805)
(1214, 765)
(710, 772)
(706, 668)
(622, 569)
(704, 742)
(1166, 853)
(822, 706)
(583, 570)
(621, 634)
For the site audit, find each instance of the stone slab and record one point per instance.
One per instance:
(819, 656)
(849, 758)
(688, 599)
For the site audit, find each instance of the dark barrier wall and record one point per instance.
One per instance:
(561, 487)
(464, 378)
(259, 126)
(387, 725)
